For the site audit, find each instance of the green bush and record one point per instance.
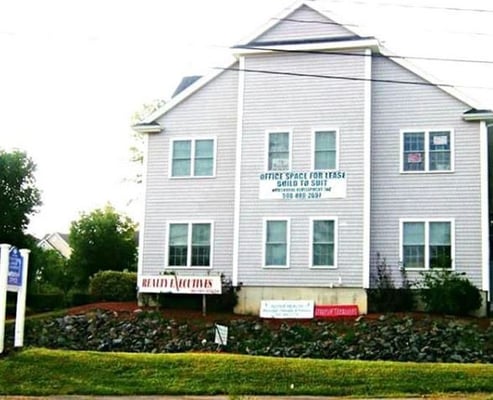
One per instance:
(78, 298)
(113, 286)
(384, 296)
(449, 292)
(41, 302)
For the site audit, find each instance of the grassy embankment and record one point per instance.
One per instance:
(57, 372)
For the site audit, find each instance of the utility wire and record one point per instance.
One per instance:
(398, 57)
(305, 21)
(350, 78)
(404, 5)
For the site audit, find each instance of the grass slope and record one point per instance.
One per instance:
(58, 372)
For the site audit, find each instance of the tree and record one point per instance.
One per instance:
(19, 196)
(101, 240)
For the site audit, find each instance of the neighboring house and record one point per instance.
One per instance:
(292, 168)
(58, 242)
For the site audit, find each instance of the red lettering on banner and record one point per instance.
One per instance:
(334, 311)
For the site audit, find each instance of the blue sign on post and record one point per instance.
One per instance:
(15, 268)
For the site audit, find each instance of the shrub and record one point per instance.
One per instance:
(45, 301)
(449, 292)
(78, 298)
(385, 296)
(113, 286)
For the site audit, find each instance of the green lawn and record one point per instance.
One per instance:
(57, 372)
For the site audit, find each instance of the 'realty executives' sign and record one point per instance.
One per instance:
(179, 284)
(302, 185)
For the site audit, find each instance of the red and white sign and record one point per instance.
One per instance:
(335, 311)
(179, 284)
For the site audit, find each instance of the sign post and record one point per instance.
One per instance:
(13, 278)
(4, 270)
(20, 311)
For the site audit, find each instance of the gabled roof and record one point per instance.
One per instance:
(359, 37)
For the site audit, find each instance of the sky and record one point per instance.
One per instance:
(73, 72)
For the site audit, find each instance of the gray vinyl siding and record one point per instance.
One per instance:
(315, 26)
(301, 104)
(444, 195)
(211, 111)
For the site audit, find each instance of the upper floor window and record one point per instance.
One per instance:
(427, 244)
(325, 149)
(276, 238)
(278, 151)
(323, 242)
(425, 151)
(189, 245)
(192, 157)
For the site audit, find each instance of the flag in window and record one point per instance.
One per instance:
(414, 158)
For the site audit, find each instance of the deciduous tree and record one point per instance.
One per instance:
(102, 240)
(19, 196)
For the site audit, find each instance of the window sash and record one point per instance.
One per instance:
(189, 245)
(427, 244)
(427, 151)
(325, 150)
(276, 243)
(439, 145)
(323, 243)
(193, 158)
(414, 151)
(278, 151)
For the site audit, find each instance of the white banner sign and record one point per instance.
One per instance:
(179, 284)
(302, 185)
(286, 309)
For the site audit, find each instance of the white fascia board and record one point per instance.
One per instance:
(479, 116)
(454, 92)
(329, 45)
(198, 84)
(155, 128)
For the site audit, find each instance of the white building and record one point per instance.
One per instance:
(291, 168)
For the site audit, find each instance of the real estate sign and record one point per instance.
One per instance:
(189, 284)
(302, 185)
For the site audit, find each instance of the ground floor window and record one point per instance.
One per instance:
(323, 242)
(189, 244)
(276, 240)
(427, 244)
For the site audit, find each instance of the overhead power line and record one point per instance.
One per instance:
(408, 5)
(350, 78)
(306, 21)
(398, 57)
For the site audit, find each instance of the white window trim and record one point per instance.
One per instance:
(427, 150)
(427, 221)
(189, 267)
(193, 139)
(325, 129)
(266, 157)
(288, 242)
(336, 242)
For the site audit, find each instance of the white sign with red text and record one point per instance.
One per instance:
(192, 284)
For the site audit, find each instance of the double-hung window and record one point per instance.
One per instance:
(427, 244)
(427, 151)
(189, 244)
(323, 242)
(278, 151)
(325, 149)
(192, 157)
(276, 242)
